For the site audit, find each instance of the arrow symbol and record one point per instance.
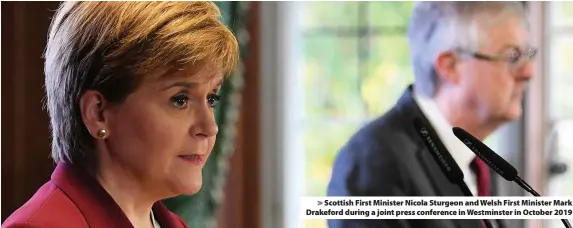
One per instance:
(319, 203)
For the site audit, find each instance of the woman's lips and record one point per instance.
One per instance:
(193, 159)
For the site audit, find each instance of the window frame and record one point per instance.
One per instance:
(281, 186)
(541, 146)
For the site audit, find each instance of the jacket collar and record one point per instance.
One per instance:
(96, 205)
(409, 109)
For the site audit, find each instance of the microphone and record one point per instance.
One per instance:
(444, 159)
(495, 162)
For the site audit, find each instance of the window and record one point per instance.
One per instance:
(356, 65)
(356, 62)
(559, 46)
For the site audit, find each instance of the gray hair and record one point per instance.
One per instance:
(436, 27)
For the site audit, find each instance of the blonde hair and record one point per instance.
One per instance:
(111, 46)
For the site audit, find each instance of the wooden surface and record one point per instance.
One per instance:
(241, 206)
(26, 162)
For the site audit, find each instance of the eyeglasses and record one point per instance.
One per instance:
(515, 57)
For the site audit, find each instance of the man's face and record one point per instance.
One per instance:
(495, 88)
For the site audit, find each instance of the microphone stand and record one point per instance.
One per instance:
(529, 189)
(466, 190)
(525, 186)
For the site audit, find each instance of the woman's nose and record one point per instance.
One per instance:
(204, 124)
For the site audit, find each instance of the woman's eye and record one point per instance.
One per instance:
(213, 100)
(180, 101)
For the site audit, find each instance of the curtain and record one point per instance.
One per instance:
(198, 210)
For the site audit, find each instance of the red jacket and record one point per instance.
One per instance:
(74, 199)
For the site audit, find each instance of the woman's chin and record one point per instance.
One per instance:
(192, 191)
(192, 186)
(184, 183)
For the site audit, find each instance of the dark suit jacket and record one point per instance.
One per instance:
(72, 198)
(387, 158)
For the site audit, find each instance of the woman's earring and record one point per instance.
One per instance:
(102, 133)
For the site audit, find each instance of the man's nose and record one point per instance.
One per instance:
(524, 71)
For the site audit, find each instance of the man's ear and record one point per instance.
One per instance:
(445, 65)
(92, 104)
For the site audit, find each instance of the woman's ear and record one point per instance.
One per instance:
(92, 105)
(445, 65)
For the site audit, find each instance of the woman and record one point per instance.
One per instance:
(131, 88)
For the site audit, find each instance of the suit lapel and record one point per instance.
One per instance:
(438, 180)
(432, 174)
(410, 110)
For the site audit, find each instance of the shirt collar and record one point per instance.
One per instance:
(461, 154)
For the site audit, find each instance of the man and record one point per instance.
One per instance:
(471, 62)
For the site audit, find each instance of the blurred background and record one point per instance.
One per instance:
(312, 74)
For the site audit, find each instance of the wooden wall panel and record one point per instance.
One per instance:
(26, 162)
(242, 191)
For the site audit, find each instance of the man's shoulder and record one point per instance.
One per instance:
(48, 207)
(374, 160)
(387, 123)
(384, 132)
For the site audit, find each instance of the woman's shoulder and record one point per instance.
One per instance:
(178, 220)
(48, 207)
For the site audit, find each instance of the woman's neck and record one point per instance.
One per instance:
(127, 191)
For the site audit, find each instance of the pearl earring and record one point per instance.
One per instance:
(102, 133)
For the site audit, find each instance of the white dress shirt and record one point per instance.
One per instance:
(155, 222)
(461, 154)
